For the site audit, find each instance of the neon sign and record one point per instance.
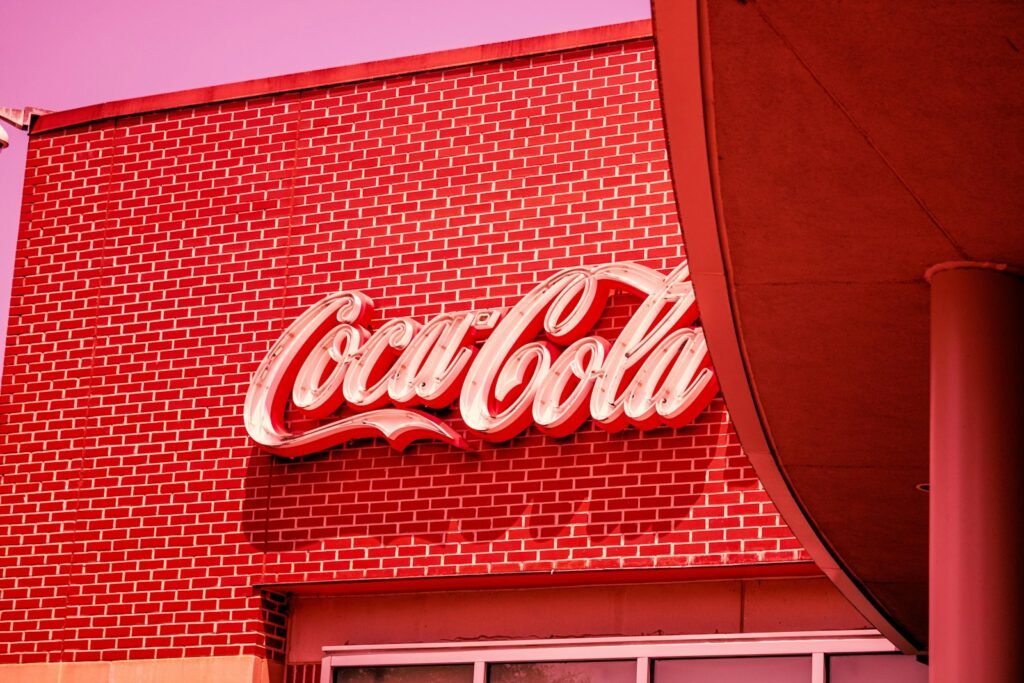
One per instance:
(534, 363)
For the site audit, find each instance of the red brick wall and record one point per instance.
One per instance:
(161, 255)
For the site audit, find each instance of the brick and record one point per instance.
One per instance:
(161, 255)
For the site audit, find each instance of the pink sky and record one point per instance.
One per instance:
(61, 54)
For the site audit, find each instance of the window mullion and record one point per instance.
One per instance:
(643, 670)
(818, 673)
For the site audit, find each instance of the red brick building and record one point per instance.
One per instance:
(168, 242)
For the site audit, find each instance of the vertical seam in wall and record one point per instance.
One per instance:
(743, 604)
(282, 307)
(287, 654)
(296, 139)
(89, 394)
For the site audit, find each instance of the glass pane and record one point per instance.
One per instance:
(738, 670)
(876, 669)
(564, 672)
(447, 673)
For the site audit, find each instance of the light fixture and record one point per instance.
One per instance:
(22, 118)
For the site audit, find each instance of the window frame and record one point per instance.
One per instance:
(643, 649)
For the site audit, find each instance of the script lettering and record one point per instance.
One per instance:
(537, 363)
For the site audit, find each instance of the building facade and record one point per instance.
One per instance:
(169, 245)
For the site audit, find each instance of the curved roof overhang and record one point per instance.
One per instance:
(824, 157)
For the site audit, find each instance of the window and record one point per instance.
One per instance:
(563, 672)
(733, 670)
(850, 656)
(437, 673)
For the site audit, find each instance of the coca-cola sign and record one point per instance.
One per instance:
(532, 364)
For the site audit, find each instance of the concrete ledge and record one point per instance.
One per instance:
(243, 669)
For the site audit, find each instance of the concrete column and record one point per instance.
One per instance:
(977, 474)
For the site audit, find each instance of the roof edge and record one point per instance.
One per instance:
(398, 66)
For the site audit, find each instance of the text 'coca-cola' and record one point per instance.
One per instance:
(532, 364)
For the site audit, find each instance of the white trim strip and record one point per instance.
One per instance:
(578, 649)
